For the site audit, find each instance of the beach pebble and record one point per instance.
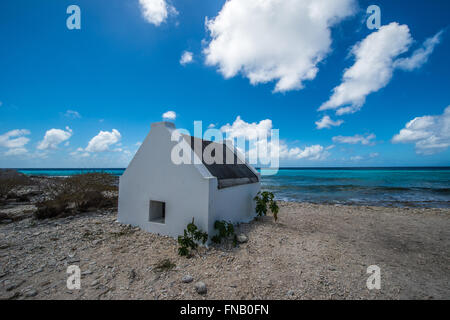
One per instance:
(290, 293)
(31, 293)
(94, 283)
(242, 238)
(200, 287)
(187, 279)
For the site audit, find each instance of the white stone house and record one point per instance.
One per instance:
(162, 197)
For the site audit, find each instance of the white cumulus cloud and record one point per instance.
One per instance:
(327, 122)
(431, 134)
(419, 56)
(262, 146)
(169, 115)
(103, 141)
(16, 152)
(14, 138)
(274, 40)
(186, 58)
(374, 66)
(156, 11)
(364, 140)
(54, 137)
(250, 131)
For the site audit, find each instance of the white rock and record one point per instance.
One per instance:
(200, 287)
(242, 238)
(187, 279)
(31, 293)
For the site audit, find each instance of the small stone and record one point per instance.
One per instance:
(242, 238)
(94, 283)
(31, 293)
(200, 287)
(290, 293)
(187, 279)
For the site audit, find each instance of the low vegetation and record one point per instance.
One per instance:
(265, 202)
(164, 265)
(76, 194)
(189, 241)
(10, 182)
(225, 231)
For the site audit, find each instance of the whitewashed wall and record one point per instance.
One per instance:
(188, 190)
(152, 176)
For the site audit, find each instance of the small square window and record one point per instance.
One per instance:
(157, 212)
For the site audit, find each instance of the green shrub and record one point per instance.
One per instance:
(264, 202)
(164, 265)
(225, 229)
(189, 241)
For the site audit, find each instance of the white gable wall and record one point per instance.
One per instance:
(152, 176)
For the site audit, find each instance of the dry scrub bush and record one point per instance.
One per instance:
(79, 193)
(10, 182)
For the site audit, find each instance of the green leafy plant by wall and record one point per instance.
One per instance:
(189, 241)
(225, 229)
(264, 202)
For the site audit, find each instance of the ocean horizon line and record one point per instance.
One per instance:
(258, 168)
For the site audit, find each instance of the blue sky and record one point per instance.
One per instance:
(93, 92)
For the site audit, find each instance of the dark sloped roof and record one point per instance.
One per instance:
(229, 172)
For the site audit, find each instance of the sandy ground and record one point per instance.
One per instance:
(312, 252)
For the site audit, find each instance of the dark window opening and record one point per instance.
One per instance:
(157, 212)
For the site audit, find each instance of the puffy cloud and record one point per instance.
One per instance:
(260, 147)
(356, 158)
(274, 40)
(314, 152)
(364, 140)
(16, 152)
(186, 58)
(54, 137)
(263, 150)
(103, 141)
(14, 139)
(419, 56)
(72, 114)
(374, 66)
(169, 115)
(156, 11)
(326, 122)
(431, 134)
(250, 131)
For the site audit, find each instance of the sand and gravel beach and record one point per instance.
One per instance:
(313, 252)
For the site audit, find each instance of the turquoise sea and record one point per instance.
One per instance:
(404, 187)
